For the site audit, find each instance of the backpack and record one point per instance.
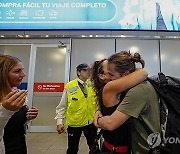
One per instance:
(168, 90)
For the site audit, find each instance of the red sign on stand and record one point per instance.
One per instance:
(48, 87)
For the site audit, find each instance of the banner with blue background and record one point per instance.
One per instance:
(90, 14)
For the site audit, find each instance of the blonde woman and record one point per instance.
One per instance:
(12, 108)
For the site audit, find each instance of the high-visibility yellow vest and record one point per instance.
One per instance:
(80, 110)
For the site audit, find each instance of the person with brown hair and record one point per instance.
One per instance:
(140, 104)
(117, 139)
(10, 101)
(13, 109)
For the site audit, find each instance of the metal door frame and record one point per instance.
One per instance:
(31, 75)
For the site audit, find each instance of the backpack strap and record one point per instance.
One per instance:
(144, 125)
(162, 82)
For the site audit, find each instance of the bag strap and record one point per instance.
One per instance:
(98, 136)
(162, 82)
(95, 142)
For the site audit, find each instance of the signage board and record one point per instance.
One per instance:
(48, 87)
(90, 14)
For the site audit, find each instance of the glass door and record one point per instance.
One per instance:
(51, 71)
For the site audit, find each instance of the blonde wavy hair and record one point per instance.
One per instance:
(6, 64)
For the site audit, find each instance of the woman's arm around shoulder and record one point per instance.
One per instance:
(117, 86)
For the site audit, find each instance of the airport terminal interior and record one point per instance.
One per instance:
(54, 60)
(52, 56)
(52, 38)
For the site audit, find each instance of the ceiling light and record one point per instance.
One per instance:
(26, 35)
(122, 36)
(20, 35)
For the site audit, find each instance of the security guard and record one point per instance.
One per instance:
(78, 107)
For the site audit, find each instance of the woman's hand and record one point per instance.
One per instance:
(14, 100)
(97, 115)
(32, 113)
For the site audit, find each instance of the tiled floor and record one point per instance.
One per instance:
(51, 143)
